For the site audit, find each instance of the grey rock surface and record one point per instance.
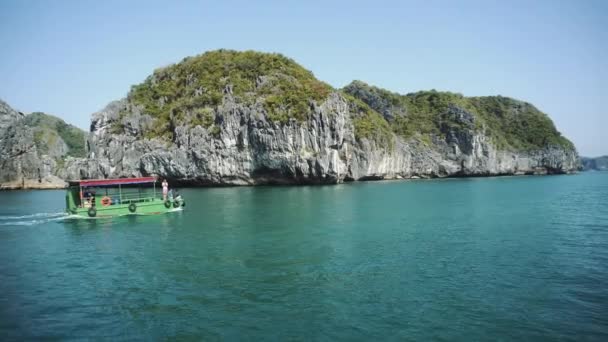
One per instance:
(22, 164)
(251, 150)
(595, 164)
(8, 116)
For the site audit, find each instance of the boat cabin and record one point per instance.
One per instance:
(118, 196)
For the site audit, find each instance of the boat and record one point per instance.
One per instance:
(118, 197)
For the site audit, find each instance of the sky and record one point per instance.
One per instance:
(71, 58)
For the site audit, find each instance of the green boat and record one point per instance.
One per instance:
(118, 197)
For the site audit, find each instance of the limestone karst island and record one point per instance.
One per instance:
(298, 170)
(245, 118)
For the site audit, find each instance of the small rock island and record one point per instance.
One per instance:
(244, 118)
(595, 164)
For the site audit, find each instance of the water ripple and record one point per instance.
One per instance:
(522, 258)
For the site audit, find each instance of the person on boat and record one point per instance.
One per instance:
(89, 199)
(165, 189)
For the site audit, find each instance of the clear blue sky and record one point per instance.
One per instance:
(71, 58)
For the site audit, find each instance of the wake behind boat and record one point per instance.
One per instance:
(118, 197)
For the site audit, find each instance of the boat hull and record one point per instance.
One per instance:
(151, 207)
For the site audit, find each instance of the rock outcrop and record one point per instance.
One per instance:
(246, 118)
(182, 128)
(8, 116)
(595, 164)
(251, 150)
(33, 150)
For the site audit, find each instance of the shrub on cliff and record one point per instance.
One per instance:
(282, 86)
(48, 128)
(512, 124)
(190, 91)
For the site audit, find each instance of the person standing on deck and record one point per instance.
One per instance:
(165, 189)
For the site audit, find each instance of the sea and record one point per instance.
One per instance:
(471, 259)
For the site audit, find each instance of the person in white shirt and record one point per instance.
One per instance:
(165, 189)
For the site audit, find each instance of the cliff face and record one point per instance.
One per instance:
(247, 149)
(446, 134)
(33, 149)
(8, 116)
(243, 118)
(595, 164)
(324, 149)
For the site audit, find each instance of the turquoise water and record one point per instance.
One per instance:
(515, 258)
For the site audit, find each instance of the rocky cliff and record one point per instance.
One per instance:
(595, 164)
(34, 149)
(244, 118)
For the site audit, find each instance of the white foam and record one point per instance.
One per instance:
(32, 222)
(41, 218)
(36, 215)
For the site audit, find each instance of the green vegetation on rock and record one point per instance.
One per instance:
(517, 124)
(368, 123)
(189, 90)
(511, 124)
(48, 129)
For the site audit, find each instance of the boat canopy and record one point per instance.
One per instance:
(109, 182)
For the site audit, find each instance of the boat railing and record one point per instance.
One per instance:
(129, 198)
(138, 197)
